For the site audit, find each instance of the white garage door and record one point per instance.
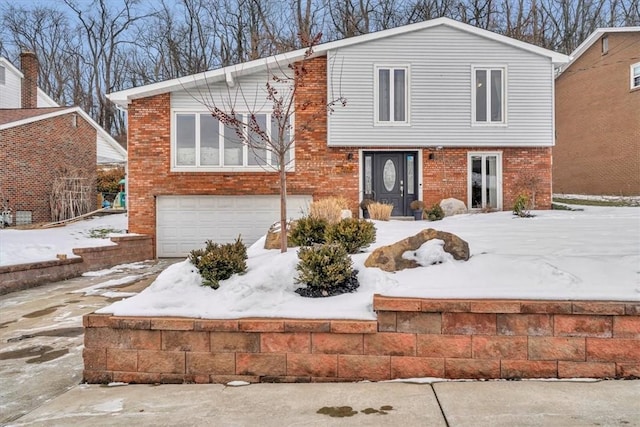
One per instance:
(184, 223)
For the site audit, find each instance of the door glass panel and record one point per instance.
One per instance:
(476, 182)
(368, 175)
(186, 139)
(384, 96)
(389, 175)
(209, 140)
(491, 182)
(410, 175)
(496, 95)
(481, 95)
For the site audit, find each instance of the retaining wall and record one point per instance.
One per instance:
(411, 338)
(127, 249)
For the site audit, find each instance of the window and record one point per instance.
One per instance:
(635, 76)
(605, 45)
(2, 75)
(484, 180)
(488, 96)
(201, 141)
(392, 95)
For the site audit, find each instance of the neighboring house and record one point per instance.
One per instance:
(39, 139)
(597, 148)
(434, 110)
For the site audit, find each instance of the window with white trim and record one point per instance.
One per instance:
(200, 141)
(488, 95)
(392, 95)
(635, 76)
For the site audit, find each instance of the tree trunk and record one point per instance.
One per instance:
(283, 201)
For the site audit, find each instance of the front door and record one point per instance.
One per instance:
(391, 178)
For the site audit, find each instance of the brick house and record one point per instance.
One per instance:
(434, 110)
(38, 139)
(597, 148)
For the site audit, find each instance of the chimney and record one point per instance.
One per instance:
(29, 65)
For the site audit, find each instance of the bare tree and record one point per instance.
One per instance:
(271, 143)
(46, 32)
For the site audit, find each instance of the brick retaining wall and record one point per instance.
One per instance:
(127, 249)
(411, 338)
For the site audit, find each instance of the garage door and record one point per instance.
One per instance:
(184, 223)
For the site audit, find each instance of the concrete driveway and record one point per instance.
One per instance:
(41, 336)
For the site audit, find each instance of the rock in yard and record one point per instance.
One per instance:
(272, 240)
(453, 206)
(389, 258)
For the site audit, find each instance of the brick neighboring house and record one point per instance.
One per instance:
(38, 139)
(434, 110)
(597, 148)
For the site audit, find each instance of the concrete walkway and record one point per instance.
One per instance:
(41, 368)
(490, 403)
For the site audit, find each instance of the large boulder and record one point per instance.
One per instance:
(389, 258)
(453, 206)
(272, 240)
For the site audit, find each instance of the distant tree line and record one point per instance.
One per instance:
(89, 49)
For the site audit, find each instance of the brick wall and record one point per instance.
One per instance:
(598, 122)
(127, 249)
(319, 170)
(411, 338)
(32, 154)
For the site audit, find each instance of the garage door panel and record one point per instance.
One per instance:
(184, 223)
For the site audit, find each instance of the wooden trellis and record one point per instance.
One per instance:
(70, 197)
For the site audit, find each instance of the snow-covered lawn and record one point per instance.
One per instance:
(25, 246)
(583, 255)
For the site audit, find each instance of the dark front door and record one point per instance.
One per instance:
(391, 178)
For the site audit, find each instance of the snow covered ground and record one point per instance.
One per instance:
(25, 246)
(592, 254)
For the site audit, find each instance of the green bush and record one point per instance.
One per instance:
(219, 262)
(435, 213)
(308, 231)
(326, 270)
(521, 206)
(352, 233)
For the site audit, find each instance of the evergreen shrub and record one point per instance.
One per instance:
(308, 231)
(326, 270)
(219, 261)
(353, 234)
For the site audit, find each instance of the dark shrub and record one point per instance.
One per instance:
(352, 233)
(435, 213)
(308, 231)
(219, 262)
(326, 270)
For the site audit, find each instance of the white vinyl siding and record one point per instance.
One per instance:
(392, 92)
(635, 75)
(440, 102)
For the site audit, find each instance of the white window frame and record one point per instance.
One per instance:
(488, 69)
(376, 95)
(499, 192)
(269, 167)
(633, 75)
